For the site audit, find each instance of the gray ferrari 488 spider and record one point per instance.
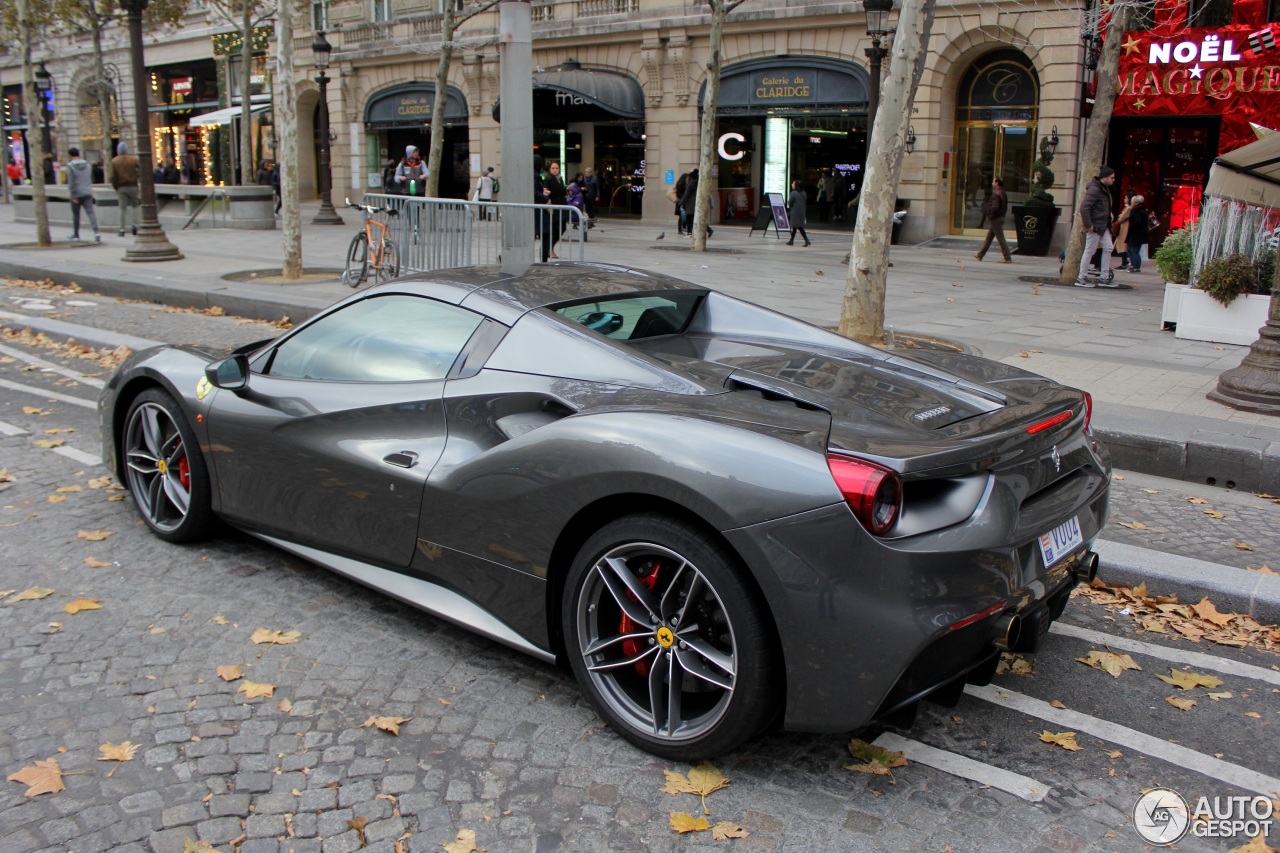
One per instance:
(722, 518)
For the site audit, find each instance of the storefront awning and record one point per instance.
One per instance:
(1250, 174)
(790, 84)
(618, 95)
(222, 116)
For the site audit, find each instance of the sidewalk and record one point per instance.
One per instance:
(1148, 386)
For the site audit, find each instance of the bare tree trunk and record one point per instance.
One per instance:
(707, 183)
(436, 151)
(862, 313)
(286, 109)
(1095, 139)
(35, 139)
(102, 92)
(248, 169)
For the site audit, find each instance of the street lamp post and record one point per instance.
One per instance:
(877, 28)
(44, 86)
(151, 244)
(321, 49)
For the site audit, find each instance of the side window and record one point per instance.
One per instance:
(394, 338)
(633, 317)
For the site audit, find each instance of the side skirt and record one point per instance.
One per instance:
(423, 595)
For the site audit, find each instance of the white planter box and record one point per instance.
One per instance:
(1172, 300)
(1201, 318)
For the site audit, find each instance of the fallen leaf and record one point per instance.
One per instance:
(286, 706)
(117, 752)
(1187, 680)
(1213, 513)
(1057, 703)
(724, 830)
(95, 564)
(358, 824)
(1253, 714)
(56, 499)
(230, 672)
(387, 724)
(68, 489)
(684, 822)
(466, 842)
(221, 620)
(876, 760)
(278, 638)
(702, 780)
(1242, 546)
(1216, 696)
(82, 604)
(33, 594)
(1114, 754)
(1265, 570)
(190, 845)
(1066, 740)
(1133, 525)
(255, 690)
(1113, 476)
(34, 410)
(49, 442)
(94, 535)
(1197, 500)
(1206, 611)
(99, 482)
(43, 777)
(1181, 704)
(1109, 662)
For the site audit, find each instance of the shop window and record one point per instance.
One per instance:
(1209, 13)
(381, 11)
(1273, 10)
(319, 15)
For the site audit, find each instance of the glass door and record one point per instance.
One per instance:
(985, 151)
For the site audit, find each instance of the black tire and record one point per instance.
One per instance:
(723, 650)
(389, 268)
(357, 260)
(164, 469)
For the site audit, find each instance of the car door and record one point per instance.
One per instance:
(333, 437)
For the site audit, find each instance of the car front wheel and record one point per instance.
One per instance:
(668, 639)
(165, 471)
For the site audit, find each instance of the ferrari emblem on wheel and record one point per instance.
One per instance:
(665, 637)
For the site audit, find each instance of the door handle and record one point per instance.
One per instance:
(403, 459)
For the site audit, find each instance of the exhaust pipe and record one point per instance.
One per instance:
(1007, 632)
(1087, 567)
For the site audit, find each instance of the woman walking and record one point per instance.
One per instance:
(1139, 232)
(795, 212)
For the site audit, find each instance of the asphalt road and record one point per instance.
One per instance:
(502, 744)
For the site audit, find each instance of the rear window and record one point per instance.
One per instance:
(634, 316)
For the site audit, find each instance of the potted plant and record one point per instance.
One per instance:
(1173, 260)
(1226, 305)
(1034, 220)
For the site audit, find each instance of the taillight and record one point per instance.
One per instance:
(1049, 423)
(872, 492)
(1088, 410)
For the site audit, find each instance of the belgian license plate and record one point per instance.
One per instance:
(1060, 541)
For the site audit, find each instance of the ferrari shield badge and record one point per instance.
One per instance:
(203, 387)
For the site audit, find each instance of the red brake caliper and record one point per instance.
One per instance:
(184, 469)
(633, 647)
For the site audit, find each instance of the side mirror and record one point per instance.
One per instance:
(230, 373)
(604, 322)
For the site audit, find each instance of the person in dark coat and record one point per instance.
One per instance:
(1139, 231)
(1095, 217)
(681, 184)
(796, 213)
(689, 200)
(995, 209)
(557, 194)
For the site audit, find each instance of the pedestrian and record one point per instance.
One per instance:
(541, 217)
(275, 186)
(484, 192)
(840, 194)
(824, 194)
(169, 174)
(590, 195)
(1139, 231)
(689, 201)
(389, 185)
(264, 173)
(1095, 218)
(80, 183)
(796, 212)
(557, 194)
(411, 173)
(678, 192)
(995, 209)
(1120, 233)
(124, 177)
(15, 174)
(577, 200)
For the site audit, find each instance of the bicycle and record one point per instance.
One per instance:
(385, 257)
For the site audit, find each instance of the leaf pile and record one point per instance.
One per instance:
(1163, 614)
(105, 357)
(702, 780)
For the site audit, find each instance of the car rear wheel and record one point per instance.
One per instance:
(668, 639)
(165, 471)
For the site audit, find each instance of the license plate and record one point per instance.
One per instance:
(1060, 541)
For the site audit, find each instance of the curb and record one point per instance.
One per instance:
(1198, 456)
(1232, 590)
(71, 332)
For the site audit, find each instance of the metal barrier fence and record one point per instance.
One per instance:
(435, 233)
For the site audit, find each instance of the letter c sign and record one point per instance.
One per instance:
(724, 152)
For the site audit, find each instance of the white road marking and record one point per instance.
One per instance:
(966, 768)
(1182, 656)
(11, 429)
(49, 395)
(52, 368)
(78, 455)
(1189, 759)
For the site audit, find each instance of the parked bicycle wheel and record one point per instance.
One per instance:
(389, 267)
(357, 261)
